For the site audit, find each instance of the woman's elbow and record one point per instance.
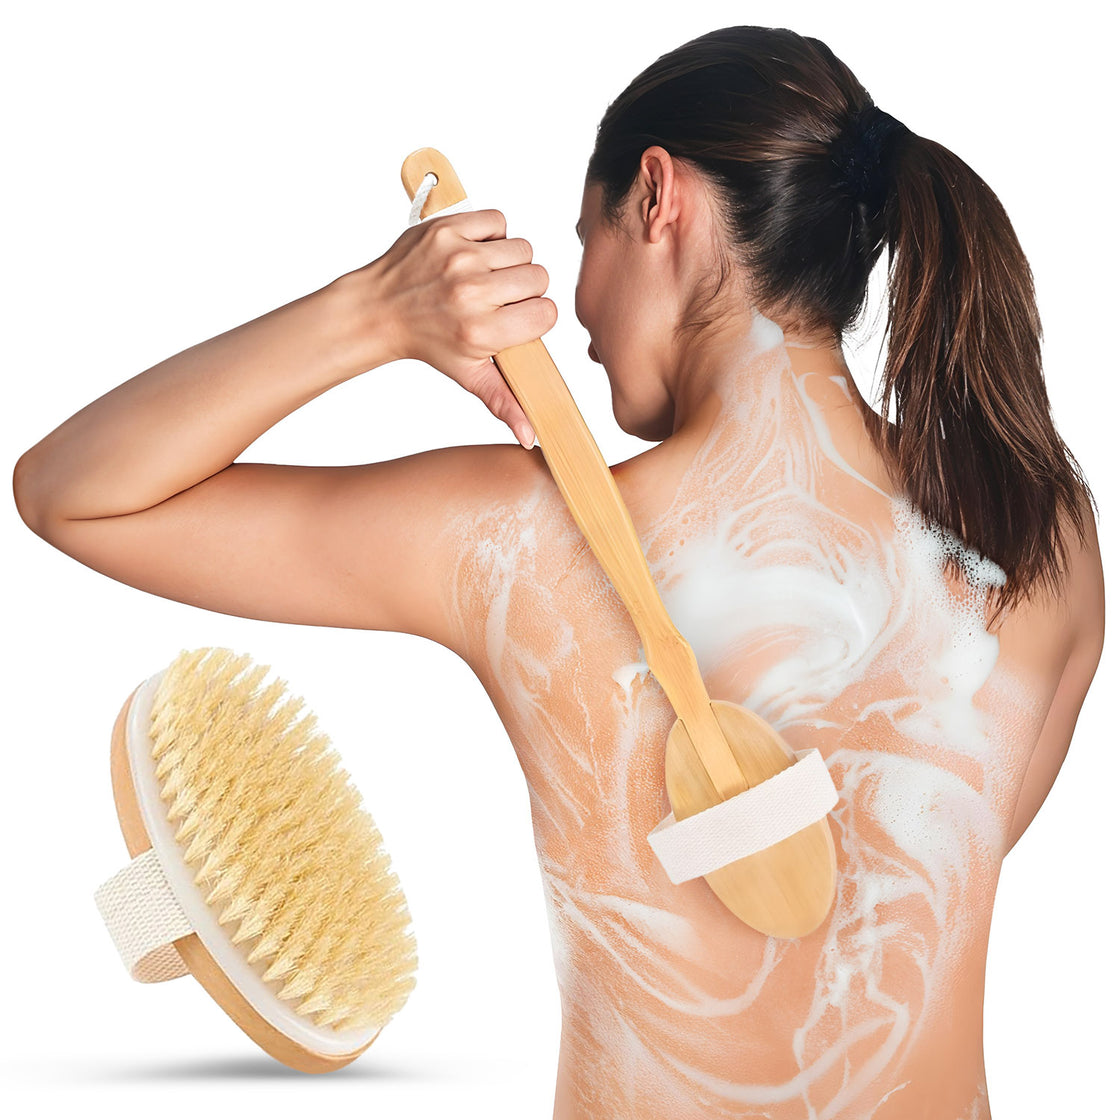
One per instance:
(27, 493)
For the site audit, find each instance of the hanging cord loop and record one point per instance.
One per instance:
(421, 196)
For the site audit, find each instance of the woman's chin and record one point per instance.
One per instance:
(651, 429)
(655, 433)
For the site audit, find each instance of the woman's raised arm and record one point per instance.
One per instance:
(439, 294)
(141, 484)
(190, 416)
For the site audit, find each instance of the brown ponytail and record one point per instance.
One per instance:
(975, 445)
(772, 119)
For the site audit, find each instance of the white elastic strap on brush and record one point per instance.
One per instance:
(144, 917)
(785, 803)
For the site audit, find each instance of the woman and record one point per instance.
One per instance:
(922, 601)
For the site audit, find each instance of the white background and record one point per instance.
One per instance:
(177, 169)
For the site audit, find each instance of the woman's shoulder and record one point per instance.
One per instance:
(1060, 624)
(1084, 591)
(1086, 579)
(508, 534)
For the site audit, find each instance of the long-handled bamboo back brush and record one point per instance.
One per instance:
(750, 813)
(254, 864)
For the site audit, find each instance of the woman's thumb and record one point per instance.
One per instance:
(498, 397)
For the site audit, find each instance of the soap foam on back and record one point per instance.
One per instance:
(814, 598)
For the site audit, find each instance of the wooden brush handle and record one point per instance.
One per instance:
(592, 496)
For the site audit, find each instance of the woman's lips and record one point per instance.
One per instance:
(591, 353)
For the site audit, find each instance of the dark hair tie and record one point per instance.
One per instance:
(862, 151)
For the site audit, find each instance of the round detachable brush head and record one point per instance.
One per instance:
(254, 857)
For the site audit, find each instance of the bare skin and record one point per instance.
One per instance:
(672, 1007)
(806, 588)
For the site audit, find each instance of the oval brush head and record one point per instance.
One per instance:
(254, 858)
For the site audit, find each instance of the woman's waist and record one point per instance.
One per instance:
(670, 973)
(742, 1054)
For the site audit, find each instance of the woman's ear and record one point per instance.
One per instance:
(661, 187)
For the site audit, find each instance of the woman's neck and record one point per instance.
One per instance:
(707, 372)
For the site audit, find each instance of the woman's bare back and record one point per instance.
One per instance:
(813, 596)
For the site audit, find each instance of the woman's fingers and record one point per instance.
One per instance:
(504, 308)
(506, 253)
(456, 291)
(474, 225)
(518, 323)
(501, 308)
(512, 285)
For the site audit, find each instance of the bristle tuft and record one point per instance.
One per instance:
(281, 847)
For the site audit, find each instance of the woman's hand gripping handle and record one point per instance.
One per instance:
(455, 291)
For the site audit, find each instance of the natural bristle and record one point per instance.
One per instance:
(278, 841)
